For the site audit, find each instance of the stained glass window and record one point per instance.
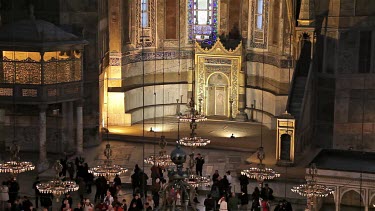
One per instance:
(146, 22)
(144, 13)
(259, 23)
(259, 15)
(202, 19)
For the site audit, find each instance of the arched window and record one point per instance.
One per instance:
(145, 18)
(202, 19)
(259, 23)
(144, 14)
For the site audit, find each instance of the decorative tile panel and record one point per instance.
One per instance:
(29, 93)
(6, 92)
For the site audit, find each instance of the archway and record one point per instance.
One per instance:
(285, 141)
(351, 201)
(217, 95)
(328, 203)
(372, 203)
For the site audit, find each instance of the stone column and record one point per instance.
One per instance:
(43, 162)
(241, 116)
(2, 131)
(79, 109)
(366, 199)
(337, 198)
(64, 124)
(70, 125)
(67, 126)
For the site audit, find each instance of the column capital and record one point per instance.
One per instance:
(43, 107)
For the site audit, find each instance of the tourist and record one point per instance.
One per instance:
(13, 190)
(123, 205)
(66, 206)
(155, 173)
(133, 207)
(88, 206)
(229, 177)
(223, 204)
(215, 176)
(265, 205)
(136, 203)
(244, 198)
(209, 203)
(36, 191)
(69, 198)
(233, 202)
(135, 179)
(267, 193)
(70, 169)
(26, 203)
(108, 199)
(244, 181)
(155, 188)
(150, 201)
(79, 207)
(199, 161)
(143, 183)
(148, 207)
(4, 195)
(256, 194)
(82, 188)
(117, 181)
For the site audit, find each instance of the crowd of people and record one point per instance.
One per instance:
(220, 197)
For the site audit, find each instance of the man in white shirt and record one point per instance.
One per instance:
(229, 177)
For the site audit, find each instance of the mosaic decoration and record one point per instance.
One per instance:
(8, 71)
(6, 92)
(218, 61)
(29, 93)
(52, 92)
(77, 73)
(151, 56)
(115, 59)
(29, 71)
(145, 35)
(259, 37)
(199, 31)
(62, 71)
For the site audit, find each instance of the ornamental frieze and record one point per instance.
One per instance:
(218, 61)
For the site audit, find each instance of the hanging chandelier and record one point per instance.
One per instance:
(107, 169)
(194, 141)
(57, 187)
(311, 189)
(260, 173)
(163, 159)
(198, 181)
(15, 166)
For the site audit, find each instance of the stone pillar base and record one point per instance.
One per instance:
(242, 116)
(42, 166)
